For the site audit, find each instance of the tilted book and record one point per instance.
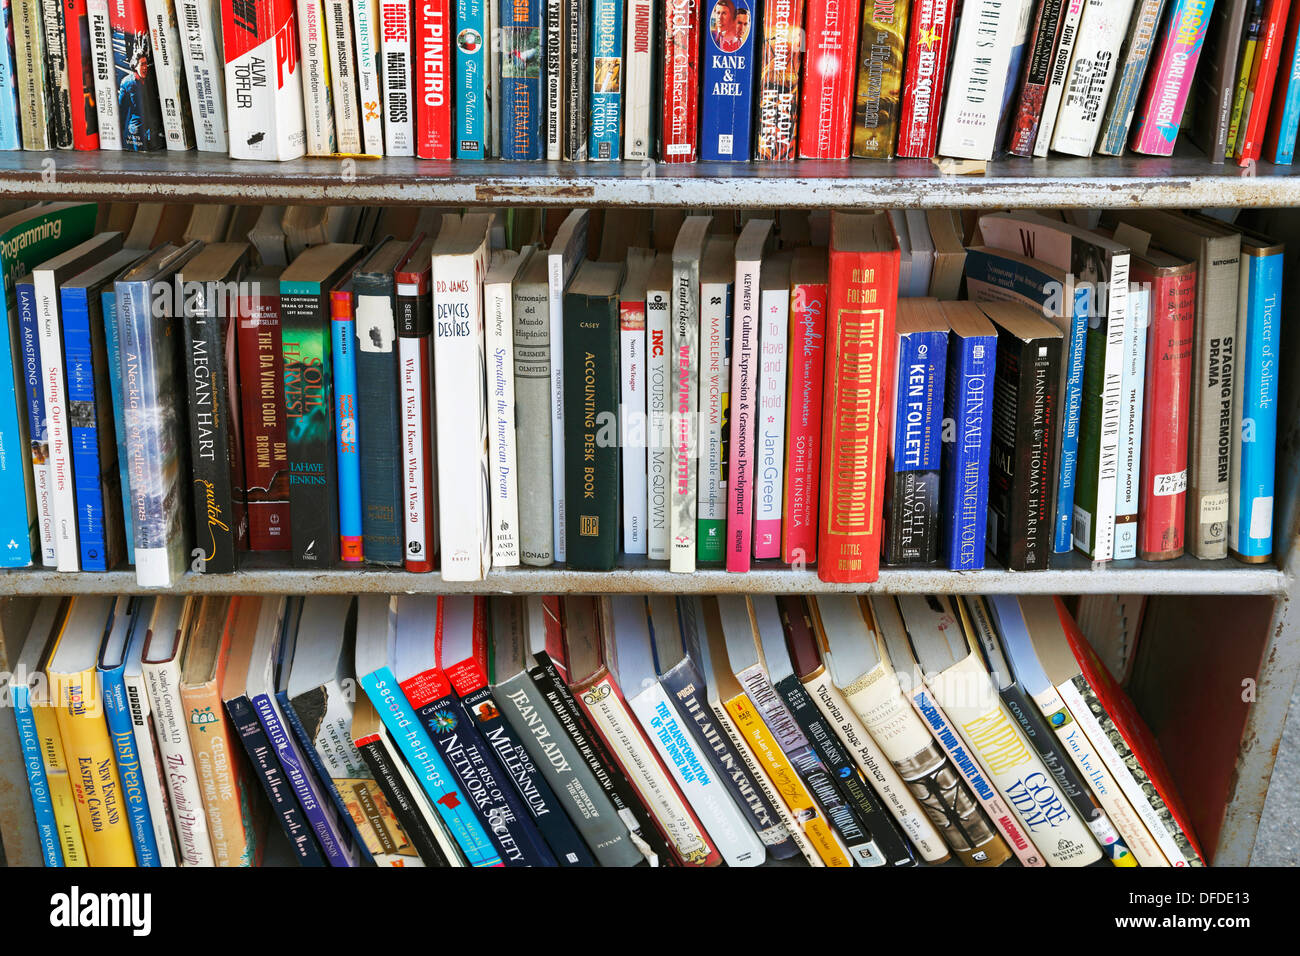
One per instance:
(1060, 68)
(29, 696)
(57, 76)
(1045, 30)
(173, 94)
(199, 22)
(1136, 57)
(1214, 84)
(503, 456)
(1102, 28)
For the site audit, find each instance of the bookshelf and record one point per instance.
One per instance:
(1219, 623)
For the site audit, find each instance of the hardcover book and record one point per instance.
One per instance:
(1214, 84)
(1132, 386)
(412, 279)
(532, 386)
(727, 103)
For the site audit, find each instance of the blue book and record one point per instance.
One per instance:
(343, 329)
(21, 685)
(995, 276)
(378, 643)
(604, 136)
(912, 487)
(968, 403)
(11, 134)
(727, 100)
(469, 121)
(29, 336)
(112, 344)
(27, 238)
(1254, 401)
(523, 51)
(1287, 122)
(125, 640)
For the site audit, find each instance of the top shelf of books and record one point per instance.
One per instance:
(1185, 180)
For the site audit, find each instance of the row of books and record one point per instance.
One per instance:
(745, 394)
(462, 731)
(673, 80)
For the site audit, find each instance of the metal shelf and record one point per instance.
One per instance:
(1183, 576)
(1184, 180)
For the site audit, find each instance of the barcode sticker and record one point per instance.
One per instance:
(1214, 508)
(1174, 483)
(724, 144)
(1261, 517)
(1083, 528)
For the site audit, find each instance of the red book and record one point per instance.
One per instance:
(414, 305)
(679, 135)
(266, 449)
(1162, 498)
(862, 300)
(1279, 101)
(829, 79)
(433, 88)
(803, 424)
(929, 37)
(1263, 77)
(1044, 31)
(81, 75)
(1132, 728)
(470, 673)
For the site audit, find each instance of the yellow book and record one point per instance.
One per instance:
(56, 776)
(88, 749)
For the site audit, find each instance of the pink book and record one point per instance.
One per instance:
(1170, 79)
(808, 283)
(744, 392)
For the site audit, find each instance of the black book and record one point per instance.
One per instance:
(309, 401)
(207, 287)
(57, 80)
(1026, 403)
(401, 799)
(577, 53)
(591, 402)
(378, 405)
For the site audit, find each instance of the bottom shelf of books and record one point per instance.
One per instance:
(624, 730)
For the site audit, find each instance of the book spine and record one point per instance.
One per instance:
(58, 92)
(576, 86)
(679, 123)
(1132, 384)
(1251, 477)
(523, 58)
(912, 489)
(200, 25)
(715, 344)
(638, 100)
(1036, 76)
(804, 427)
(1060, 69)
(20, 473)
(343, 76)
(860, 345)
(395, 52)
(964, 485)
(365, 23)
(742, 403)
(684, 425)
(1263, 76)
(63, 497)
(1284, 123)
(165, 39)
(402, 801)
(980, 62)
(266, 121)
(1135, 56)
(29, 332)
(71, 844)
(279, 793)
(880, 77)
(770, 446)
(261, 375)
(558, 275)
(309, 426)
(1162, 502)
(113, 353)
(471, 113)
(347, 445)
(780, 72)
(1071, 412)
(433, 104)
(47, 828)
(554, 49)
(532, 384)
(29, 70)
(1092, 73)
(151, 768)
(925, 77)
(607, 61)
(502, 453)
(318, 103)
(1019, 42)
(658, 324)
(379, 410)
(1158, 120)
(92, 520)
(191, 821)
(830, 53)
(591, 394)
(415, 326)
(222, 782)
(137, 89)
(105, 81)
(727, 100)
(632, 341)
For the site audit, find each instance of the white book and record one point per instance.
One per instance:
(318, 106)
(717, 290)
(503, 473)
(684, 362)
(147, 752)
(568, 251)
(769, 445)
(169, 70)
(200, 26)
(365, 23)
(342, 76)
(1093, 65)
(101, 53)
(1061, 56)
(639, 64)
(658, 390)
(633, 416)
(980, 71)
(168, 629)
(703, 788)
(395, 48)
(918, 231)
(460, 261)
(1132, 393)
(265, 121)
(554, 82)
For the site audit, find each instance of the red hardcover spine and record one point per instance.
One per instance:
(1162, 497)
(803, 423)
(81, 75)
(829, 77)
(680, 127)
(433, 79)
(266, 449)
(1262, 81)
(862, 302)
(928, 40)
(1035, 76)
